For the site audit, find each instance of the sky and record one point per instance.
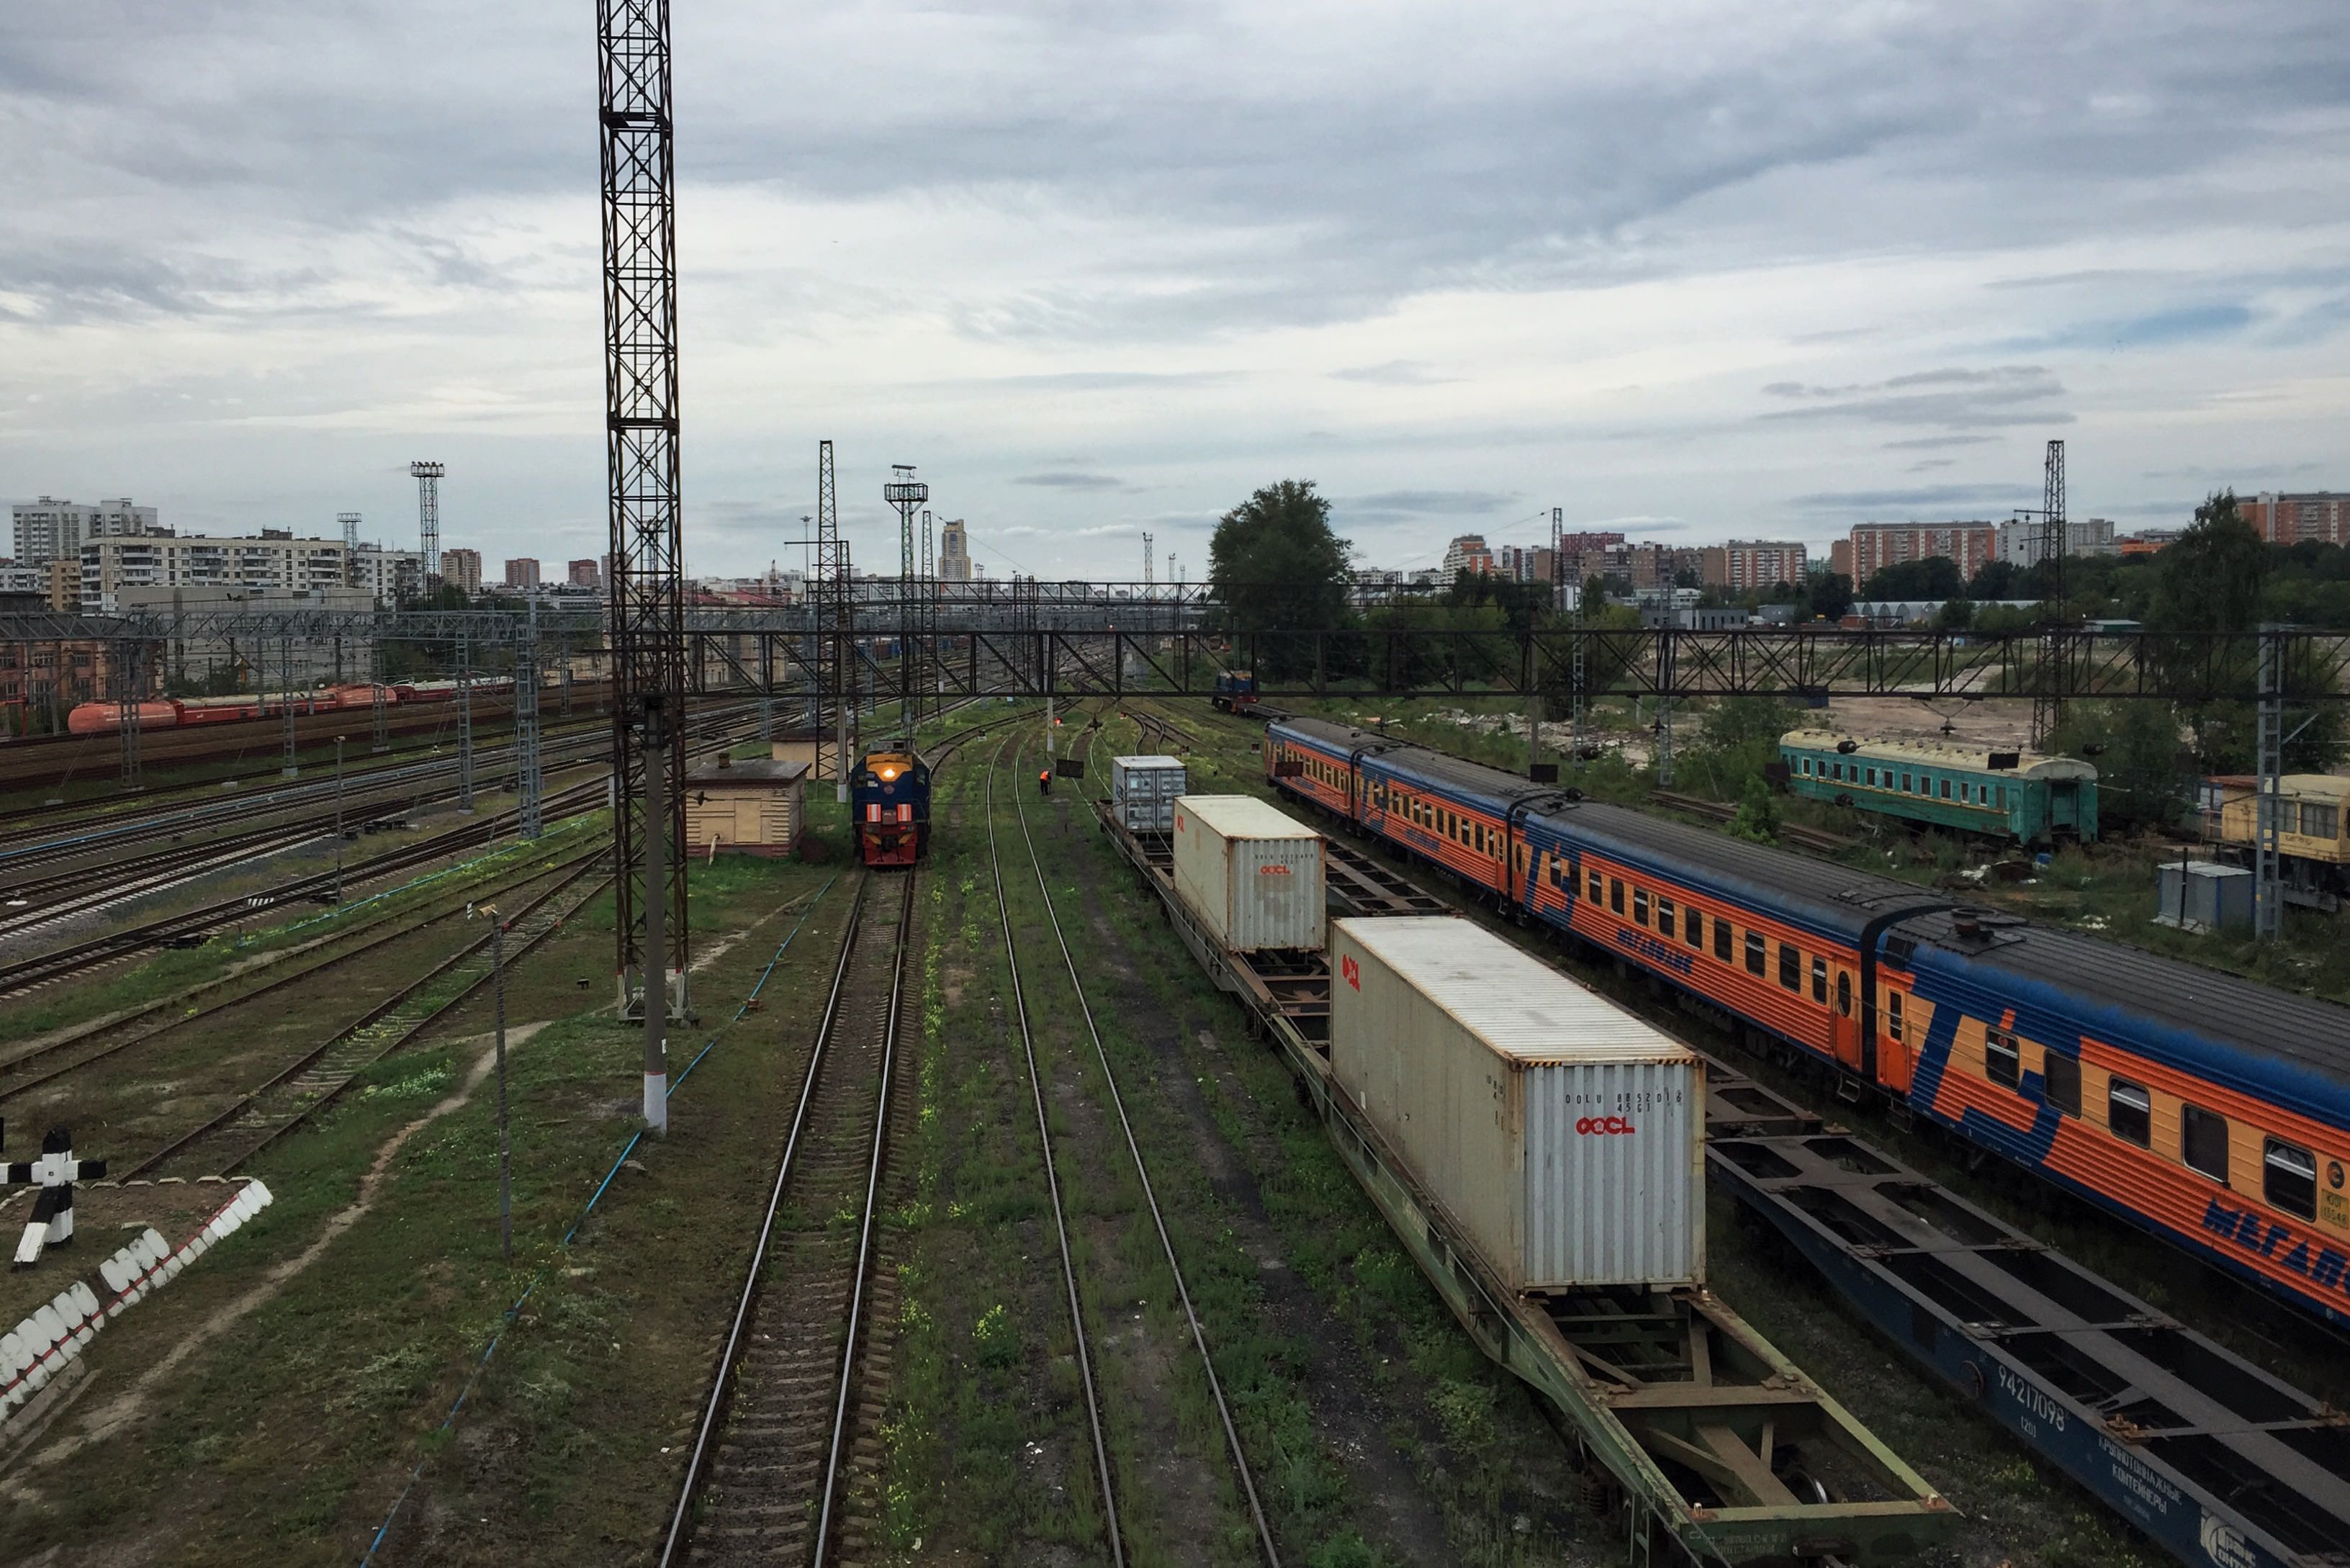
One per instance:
(1689, 269)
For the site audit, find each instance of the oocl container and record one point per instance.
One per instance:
(1251, 875)
(1562, 1135)
(1142, 791)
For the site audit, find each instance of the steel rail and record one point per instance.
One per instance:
(1150, 1199)
(383, 1009)
(730, 1355)
(60, 963)
(678, 1543)
(1053, 1181)
(370, 938)
(846, 1387)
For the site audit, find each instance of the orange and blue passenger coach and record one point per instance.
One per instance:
(2206, 1108)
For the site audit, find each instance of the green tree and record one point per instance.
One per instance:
(1956, 615)
(1278, 567)
(2138, 752)
(2212, 577)
(1757, 813)
(1738, 740)
(1826, 596)
(1929, 578)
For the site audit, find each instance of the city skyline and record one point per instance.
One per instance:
(1702, 275)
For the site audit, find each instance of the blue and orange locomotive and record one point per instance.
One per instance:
(889, 801)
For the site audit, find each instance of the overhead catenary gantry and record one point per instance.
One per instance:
(647, 595)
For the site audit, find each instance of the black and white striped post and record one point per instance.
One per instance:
(51, 1222)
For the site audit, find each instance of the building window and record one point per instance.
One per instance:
(1791, 967)
(1693, 928)
(2129, 1112)
(1615, 894)
(1756, 948)
(1664, 916)
(2203, 1141)
(2289, 1178)
(1640, 906)
(1721, 939)
(2320, 821)
(2003, 1059)
(1819, 980)
(2061, 1082)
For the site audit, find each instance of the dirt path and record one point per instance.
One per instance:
(125, 1408)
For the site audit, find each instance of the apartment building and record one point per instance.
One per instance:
(1467, 553)
(2318, 516)
(1744, 564)
(586, 573)
(53, 530)
(1877, 546)
(388, 576)
(522, 574)
(462, 568)
(273, 559)
(2023, 541)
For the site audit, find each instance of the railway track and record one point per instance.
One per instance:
(1243, 1475)
(190, 926)
(313, 1081)
(771, 1455)
(783, 1442)
(1811, 839)
(35, 1068)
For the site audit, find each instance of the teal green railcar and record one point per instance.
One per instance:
(2019, 797)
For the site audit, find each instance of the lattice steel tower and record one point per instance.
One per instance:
(836, 613)
(2048, 702)
(427, 522)
(640, 425)
(906, 493)
(350, 522)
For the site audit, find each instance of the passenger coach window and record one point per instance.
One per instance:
(2129, 1113)
(2002, 1059)
(1615, 894)
(2061, 1082)
(1595, 887)
(2289, 1178)
(1819, 980)
(1791, 967)
(1664, 916)
(1640, 906)
(2203, 1141)
(1893, 1012)
(1721, 939)
(1755, 947)
(1693, 928)
(1844, 994)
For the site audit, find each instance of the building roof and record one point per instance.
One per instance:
(1941, 754)
(760, 773)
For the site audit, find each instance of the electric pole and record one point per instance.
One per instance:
(428, 524)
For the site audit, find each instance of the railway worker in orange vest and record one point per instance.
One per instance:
(1044, 782)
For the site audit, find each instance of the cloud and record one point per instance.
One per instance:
(1066, 481)
(1398, 505)
(2003, 498)
(1931, 464)
(2004, 396)
(1032, 531)
(1935, 444)
(1395, 373)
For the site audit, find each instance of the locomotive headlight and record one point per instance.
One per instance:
(889, 773)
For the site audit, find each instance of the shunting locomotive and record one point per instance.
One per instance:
(889, 797)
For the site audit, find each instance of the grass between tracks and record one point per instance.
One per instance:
(989, 1458)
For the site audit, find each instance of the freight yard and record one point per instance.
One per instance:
(1720, 945)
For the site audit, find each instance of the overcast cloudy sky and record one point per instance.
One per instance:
(1691, 268)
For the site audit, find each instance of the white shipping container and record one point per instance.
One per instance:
(1145, 816)
(1145, 778)
(1564, 1138)
(1252, 875)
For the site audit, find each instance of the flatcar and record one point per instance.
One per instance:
(2313, 832)
(2207, 1109)
(890, 799)
(2018, 796)
(184, 712)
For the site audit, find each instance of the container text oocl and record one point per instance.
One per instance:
(1603, 1125)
